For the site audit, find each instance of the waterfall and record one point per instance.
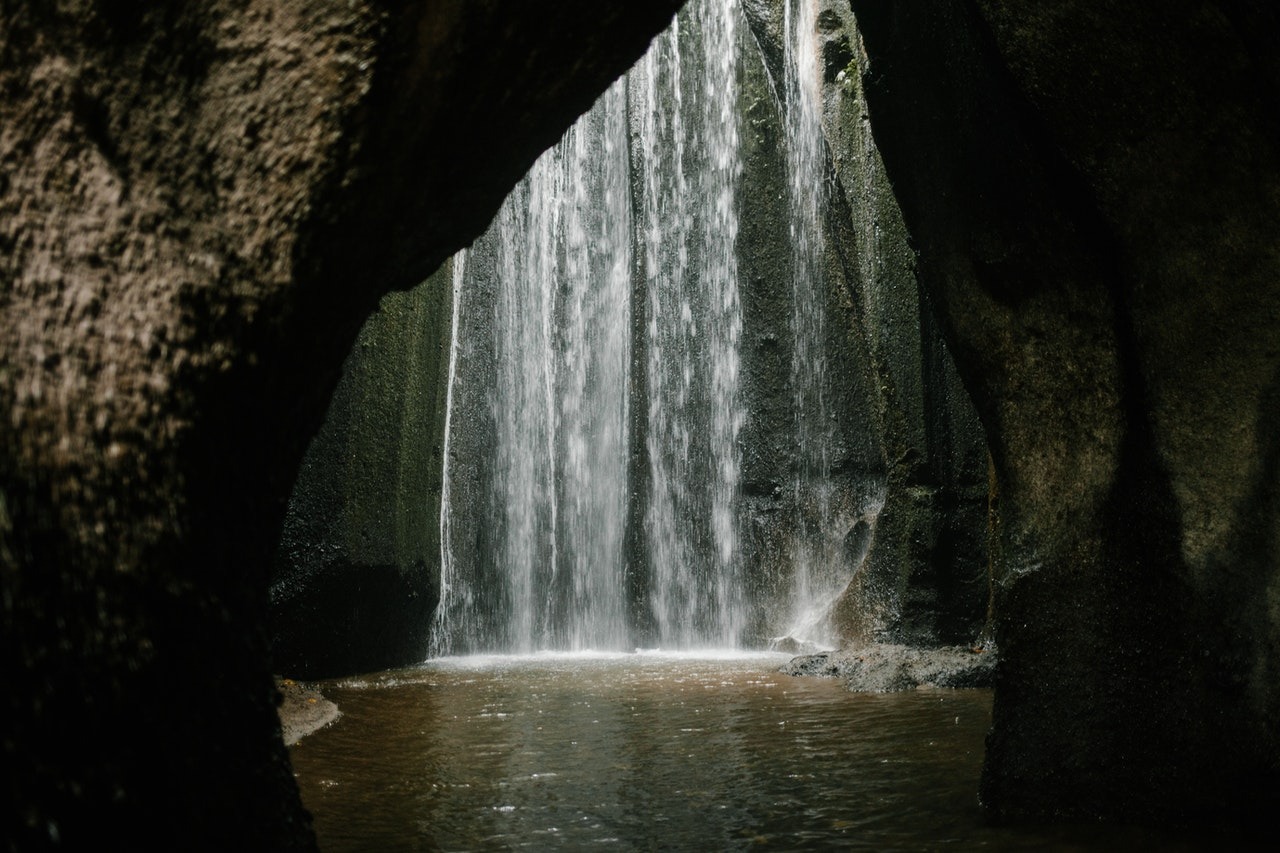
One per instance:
(600, 399)
(455, 594)
(684, 95)
(560, 407)
(595, 357)
(818, 563)
(539, 558)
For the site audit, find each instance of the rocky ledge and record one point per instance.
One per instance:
(303, 710)
(885, 668)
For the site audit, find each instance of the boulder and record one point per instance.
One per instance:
(1094, 193)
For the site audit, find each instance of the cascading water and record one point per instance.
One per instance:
(603, 315)
(561, 276)
(819, 570)
(455, 594)
(557, 502)
(684, 95)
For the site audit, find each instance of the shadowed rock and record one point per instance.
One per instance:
(199, 204)
(1094, 191)
(887, 668)
(303, 710)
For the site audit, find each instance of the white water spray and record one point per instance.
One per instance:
(818, 564)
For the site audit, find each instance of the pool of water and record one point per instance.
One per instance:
(652, 751)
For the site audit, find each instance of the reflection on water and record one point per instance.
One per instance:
(644, 752)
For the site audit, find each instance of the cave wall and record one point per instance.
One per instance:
(356, 576)
(1092, 189)
(199, 205)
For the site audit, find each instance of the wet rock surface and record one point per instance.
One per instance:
(1094, 190)
(356, 576)
(885, 668)
(303, 710)
(922, 551)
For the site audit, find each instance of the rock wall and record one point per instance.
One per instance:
(782, 513)
(356, 577)
(1093, 191)
(925, 576)
(199, 204)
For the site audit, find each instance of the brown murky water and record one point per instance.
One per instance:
(648, 752)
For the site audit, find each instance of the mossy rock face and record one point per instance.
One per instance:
(1103, 262)
(356, 577)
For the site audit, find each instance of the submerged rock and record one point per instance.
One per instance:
(886, 668)
(792, 646)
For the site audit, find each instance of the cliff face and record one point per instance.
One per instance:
(356, 577)
(199, 204)
(790, 452)
(1093, 191)
(925, 576)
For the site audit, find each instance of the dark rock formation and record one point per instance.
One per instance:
(1094, 191)
(776, 511)
(357, 576)
(885, 667)
(199, 204)
(925, 576)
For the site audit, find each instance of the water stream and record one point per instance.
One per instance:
(684, 99)
(819, 572)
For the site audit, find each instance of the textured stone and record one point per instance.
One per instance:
(1094, 190)
(356, 577)
(775, 516)
(303, 710)
(200, 202)
(925, 576)
(887, 668)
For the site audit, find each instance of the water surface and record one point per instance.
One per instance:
(651, 751)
